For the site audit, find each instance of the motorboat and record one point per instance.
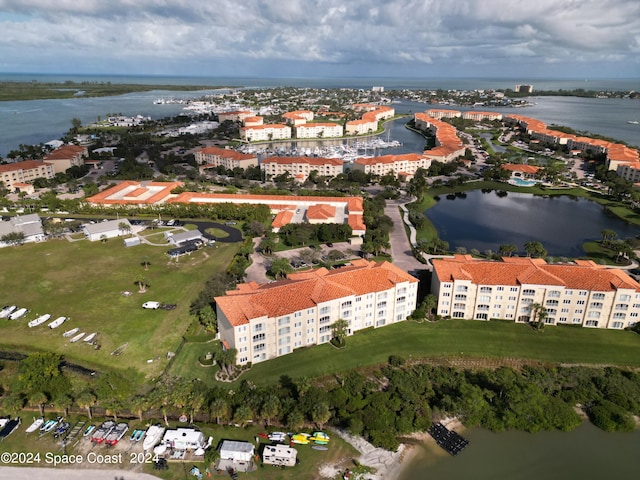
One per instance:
(50, 425)
(6, 311)
(116, 434)
(40, 320)
(88, 430)
(71, 332)
(9, 428)
(57, 322)
(77, 337)
(101, 433)
(90, 337)
(153, 436)
(17, 314)
(300, 438)
(37, 423)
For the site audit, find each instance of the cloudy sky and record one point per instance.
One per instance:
(324, 38)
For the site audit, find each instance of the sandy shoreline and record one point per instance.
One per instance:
(388, 465)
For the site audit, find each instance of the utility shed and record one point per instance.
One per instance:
(238, 455)
(281, 455)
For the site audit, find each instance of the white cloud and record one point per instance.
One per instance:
(411, 33)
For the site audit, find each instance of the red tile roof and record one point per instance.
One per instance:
(307, 160)
(582, 275)
(306, 290)
(225, 152)
(516, 167)
(65, 152)
(321, 212)
(26, 165)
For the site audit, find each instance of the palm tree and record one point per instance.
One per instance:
(124, 228)
(507, 249)
(145, 262)
(86, 400)
(270, 408)
(242, 414)
(608, 235)
(38, 398)
(219, 408)
(340, 329)
(320, 414)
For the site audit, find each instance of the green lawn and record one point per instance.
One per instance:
(467, 338)
(84, 280)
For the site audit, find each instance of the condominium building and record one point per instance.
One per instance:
(480, 116)
(298, 117)
(13, 174)
(404, 165)
(581, 293)
(235, 116)
(66, 156)
(301, 167)
(265, 321)
(257, 133)
(369, 121)
(212, 157)
(448, 144)
(319, 130)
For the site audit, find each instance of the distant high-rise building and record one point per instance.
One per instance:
(524, 88)
(377, 89)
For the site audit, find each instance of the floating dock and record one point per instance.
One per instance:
(448, 439)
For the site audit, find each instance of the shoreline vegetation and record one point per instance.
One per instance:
(34, 90)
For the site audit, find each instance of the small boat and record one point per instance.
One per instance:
(141, 434)
(319, 447)
(154, 435)
(17, 314)
(77, 337)
(88, 430)
(50, 425)
(99, 435)
(57, 322)
(278, 437)
(9, 428)
(116, 434)
(37, 423)
(6, 311)
(90, 337)
(160, 449)
(61, 429)
(301, 438)
(40, 320)
(68, 333)
(320, 438)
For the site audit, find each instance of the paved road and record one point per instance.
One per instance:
(27, 473)
(400, 246)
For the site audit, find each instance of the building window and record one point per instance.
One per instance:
(624, 298)
(562, 320)
(484, 298)
(259, 347)
(591, 323)
(617, 324)
(462, 288)
(483, 307)
(325, 320)
(459, 306)
(620, 316)
(460, 297)
(528, 292)
(595, 305)
(577, 320)
(401, 299)
(566, 301)
(284, 340)
(621, 306)
(513, 289)
(346, 304)
(482, 316)
(593, 315)
(381, 304)
(324, 310)
(458, 314)
(257, 338)
(284, 331)
(325, 329)
(598, 296)
(486, 289)
(258, 327)
(552, 303)
(283, 321)
(554, 294)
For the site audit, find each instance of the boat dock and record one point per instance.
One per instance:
(447, 439)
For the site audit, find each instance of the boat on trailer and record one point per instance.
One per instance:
(154, 435)
(37, 423)
(77, 337)
(17, 314)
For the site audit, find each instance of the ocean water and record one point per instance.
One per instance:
(36, 121)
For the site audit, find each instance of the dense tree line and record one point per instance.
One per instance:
(394, 399)
(300, 234)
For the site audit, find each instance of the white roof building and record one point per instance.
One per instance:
(279, 455)
(108, 229)
(29, 225)
(184, 439)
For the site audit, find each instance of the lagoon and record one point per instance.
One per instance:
(583, 454)
(484, 221)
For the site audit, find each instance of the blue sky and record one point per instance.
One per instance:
(280, 38)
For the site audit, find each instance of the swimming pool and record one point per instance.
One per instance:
(522, 183)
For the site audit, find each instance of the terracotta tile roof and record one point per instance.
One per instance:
(321, 212)
(306, 290)
(303, 160)
(26, 165)
(121, 193)
(516, 167)
(65, 152)
(283, 218)
(389, 159)
(519, 271)
(356, 222)
(225, 152)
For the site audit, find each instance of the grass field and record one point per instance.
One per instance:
(456, 338)
(83, 281)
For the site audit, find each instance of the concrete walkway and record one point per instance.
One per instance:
(401, 246)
